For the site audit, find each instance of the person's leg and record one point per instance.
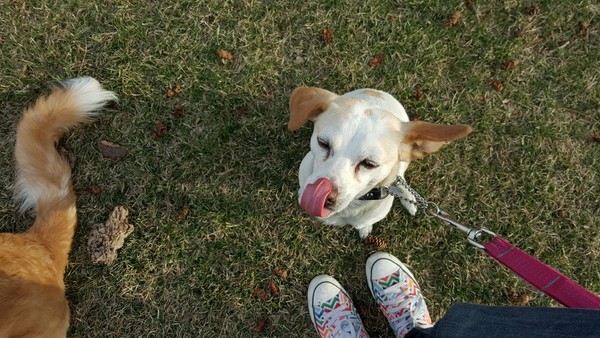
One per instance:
(471, 320)
(331, 310)
(397, 293)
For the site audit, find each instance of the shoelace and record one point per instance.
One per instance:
(335, 314)
(413, 306)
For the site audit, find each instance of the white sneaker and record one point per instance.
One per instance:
(331, 309)
(397, 293)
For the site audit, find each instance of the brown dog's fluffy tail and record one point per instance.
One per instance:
(43, 175)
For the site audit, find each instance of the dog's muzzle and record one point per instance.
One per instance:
(315, 196)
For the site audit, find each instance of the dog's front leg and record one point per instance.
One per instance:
(364, 231)
(408, 201)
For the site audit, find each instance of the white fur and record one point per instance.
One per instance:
(88, 94)
(364, 123)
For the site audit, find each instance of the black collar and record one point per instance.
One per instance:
(374, 194)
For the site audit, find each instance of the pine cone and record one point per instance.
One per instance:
(376, 242)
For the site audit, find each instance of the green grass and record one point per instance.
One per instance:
(531, 155)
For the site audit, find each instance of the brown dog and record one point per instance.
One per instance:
(32, 264)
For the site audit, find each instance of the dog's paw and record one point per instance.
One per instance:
(364, 231)
(408, 201)
(410, 207)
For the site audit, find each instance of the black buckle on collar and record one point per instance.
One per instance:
(374, 194)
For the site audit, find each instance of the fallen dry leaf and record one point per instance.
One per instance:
(184, 213)
(243, 110)
(418, 94)
(176, 89)
(562, 213)
(469, 4)
(583, 27)
(376, 60)
(224, 55)
(274, 289)
(497, 85)
(260, 293)
(362, 311)
(327, 35)
(281, 273)
(177, 111)
(532, 10)
(512, 64)
(112, 150)
(94, 189)
(262, 323)
(520, 299)
(454, 19)
(596, 138)
(160, 129)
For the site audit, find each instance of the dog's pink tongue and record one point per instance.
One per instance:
(314, 197)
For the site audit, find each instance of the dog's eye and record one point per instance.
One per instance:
(368, 164)
(323, 144)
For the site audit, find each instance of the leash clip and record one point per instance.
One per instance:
(473, 235)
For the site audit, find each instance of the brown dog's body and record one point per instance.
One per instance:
(32, 264)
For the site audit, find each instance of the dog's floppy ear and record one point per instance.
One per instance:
(426, 138)
(306, 104)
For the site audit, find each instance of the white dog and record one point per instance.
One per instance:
(361, 142)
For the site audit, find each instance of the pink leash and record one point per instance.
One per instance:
(541, 276)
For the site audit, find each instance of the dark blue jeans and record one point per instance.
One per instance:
(471, 320)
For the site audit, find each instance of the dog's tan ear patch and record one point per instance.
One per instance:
(426, 138)
(306, 103)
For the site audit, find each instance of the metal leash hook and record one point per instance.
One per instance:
(473, 235)
(432, 209)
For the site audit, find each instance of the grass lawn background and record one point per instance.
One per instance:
(528, 172)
